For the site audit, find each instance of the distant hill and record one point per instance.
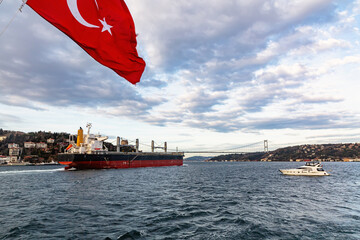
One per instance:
(239, 157)
(197, 158)
(321, 152)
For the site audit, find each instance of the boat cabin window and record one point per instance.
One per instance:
(320, 169)
(311, 163)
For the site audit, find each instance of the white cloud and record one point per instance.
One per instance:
(226, 66)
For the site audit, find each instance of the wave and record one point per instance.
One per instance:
(132, 235)
(32, 171)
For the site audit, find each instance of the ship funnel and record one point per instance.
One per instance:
(80, 137)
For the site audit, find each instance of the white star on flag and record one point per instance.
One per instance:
(106, 27)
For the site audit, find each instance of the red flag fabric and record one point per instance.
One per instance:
(103, 28)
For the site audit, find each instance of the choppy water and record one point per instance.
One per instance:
(247, 200)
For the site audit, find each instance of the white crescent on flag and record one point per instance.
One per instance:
(72, 4)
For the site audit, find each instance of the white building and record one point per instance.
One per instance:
(13, 145)
(4, 159)
(29, 145)
(41, 145)
(51, 140)
(13, 159)
(14, 151)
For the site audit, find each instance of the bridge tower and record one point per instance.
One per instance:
(266, 146)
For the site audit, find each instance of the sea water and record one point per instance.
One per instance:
(238, 200)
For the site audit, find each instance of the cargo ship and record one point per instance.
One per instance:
(89, 152)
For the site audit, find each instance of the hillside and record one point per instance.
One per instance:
(60, 140)
(322, 152)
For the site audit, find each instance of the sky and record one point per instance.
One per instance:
(219, 74)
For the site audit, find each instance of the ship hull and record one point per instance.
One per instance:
(296, 172)
(119, 160)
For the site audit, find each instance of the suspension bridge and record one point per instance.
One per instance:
(259, 146)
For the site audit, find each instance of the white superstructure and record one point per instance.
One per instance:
(89, 143)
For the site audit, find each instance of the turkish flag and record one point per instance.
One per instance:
(103, 28)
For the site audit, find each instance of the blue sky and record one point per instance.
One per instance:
(219, 74)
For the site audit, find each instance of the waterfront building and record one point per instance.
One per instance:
(13, 159)
(4, 159)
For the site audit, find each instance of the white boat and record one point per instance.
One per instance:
(309, 169)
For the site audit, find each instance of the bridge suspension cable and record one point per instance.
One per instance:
(227, 150)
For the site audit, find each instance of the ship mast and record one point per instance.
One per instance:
(88, 125)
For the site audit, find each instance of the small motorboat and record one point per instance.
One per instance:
(309, 169)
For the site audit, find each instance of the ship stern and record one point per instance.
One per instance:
(66, 159)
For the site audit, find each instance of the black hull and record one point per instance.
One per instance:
(120, 160)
